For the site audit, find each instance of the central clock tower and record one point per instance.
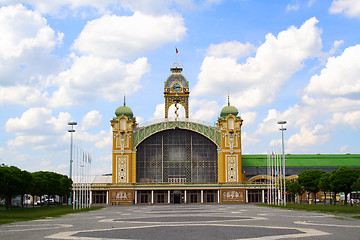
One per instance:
(176, 91)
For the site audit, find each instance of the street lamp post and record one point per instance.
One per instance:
(72, 130)
(282, 129)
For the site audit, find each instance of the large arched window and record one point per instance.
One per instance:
(176, 156)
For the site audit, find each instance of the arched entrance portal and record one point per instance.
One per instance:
(176, 156)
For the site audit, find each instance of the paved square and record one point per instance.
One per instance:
(216, 221)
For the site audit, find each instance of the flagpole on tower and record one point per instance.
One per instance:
(176, 53)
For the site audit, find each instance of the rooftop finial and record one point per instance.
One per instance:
(228, 100)
(124, 101)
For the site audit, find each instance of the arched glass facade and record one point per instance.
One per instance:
(176, 156)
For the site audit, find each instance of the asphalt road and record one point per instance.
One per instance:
(194, 221)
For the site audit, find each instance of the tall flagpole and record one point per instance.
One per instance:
(272, 177)
(90, 197)
(267, 174)
(280, 175)
(78, 179)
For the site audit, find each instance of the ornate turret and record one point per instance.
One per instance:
(176, 90)
(230, 169)
(123, 126)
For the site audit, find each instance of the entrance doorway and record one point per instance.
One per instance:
(177, 196)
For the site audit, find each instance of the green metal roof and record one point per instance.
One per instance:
(124, 111)
(213, 133)
(228, 110)
(306, 160)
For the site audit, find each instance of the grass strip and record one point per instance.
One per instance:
(318, 208)
(27, 214)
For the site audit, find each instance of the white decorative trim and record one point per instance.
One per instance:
(231, 168)
(122, 141)
(231, 140)
(122, 169)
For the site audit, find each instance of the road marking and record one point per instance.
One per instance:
(325, 224)
(306, 232)
(134, 220)
(35, 227)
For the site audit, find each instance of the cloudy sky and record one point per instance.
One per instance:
(64, 60)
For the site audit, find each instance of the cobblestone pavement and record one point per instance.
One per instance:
(194, 221)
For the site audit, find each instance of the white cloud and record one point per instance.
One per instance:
(159, 112)
(91, 120)
(146, 6)
(126, 37)
(256, 82)
(42, 132)
(350, 8)
(25, 47)
(12, 158)
(204, 110)
(344, 149)
(233, 49)
(248, 139)
(351, 119)
(306, 138)
(37, 128)
(311, 2)
(293, 7)
(340, 77)
(200, 110)
(248, 117)
(336, 45)
(97, 138)
(79, 85)
(105, 140)
(269, 124)
(23, 95)
(62, 8)
(36, 120)
(25, 30)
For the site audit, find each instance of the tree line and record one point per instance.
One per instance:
(344, 179)
(17, 182)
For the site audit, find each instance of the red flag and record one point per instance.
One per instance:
(177, 51)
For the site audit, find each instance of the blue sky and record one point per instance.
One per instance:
(65, 60)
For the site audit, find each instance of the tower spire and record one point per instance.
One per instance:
(124, 101)
(228, 100)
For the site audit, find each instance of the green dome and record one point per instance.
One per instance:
(124, 111)
(229, 110)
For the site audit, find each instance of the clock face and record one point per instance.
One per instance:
(176, 87)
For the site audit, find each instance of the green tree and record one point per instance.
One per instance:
(40, 184)
(342, 180)
(298, 189)
(356, 185)
(10, 181)
(65, 186)
(290, 190)
(26, 185)
(309, 179)
(324, 184)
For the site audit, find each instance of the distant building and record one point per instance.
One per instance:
(184, 161)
